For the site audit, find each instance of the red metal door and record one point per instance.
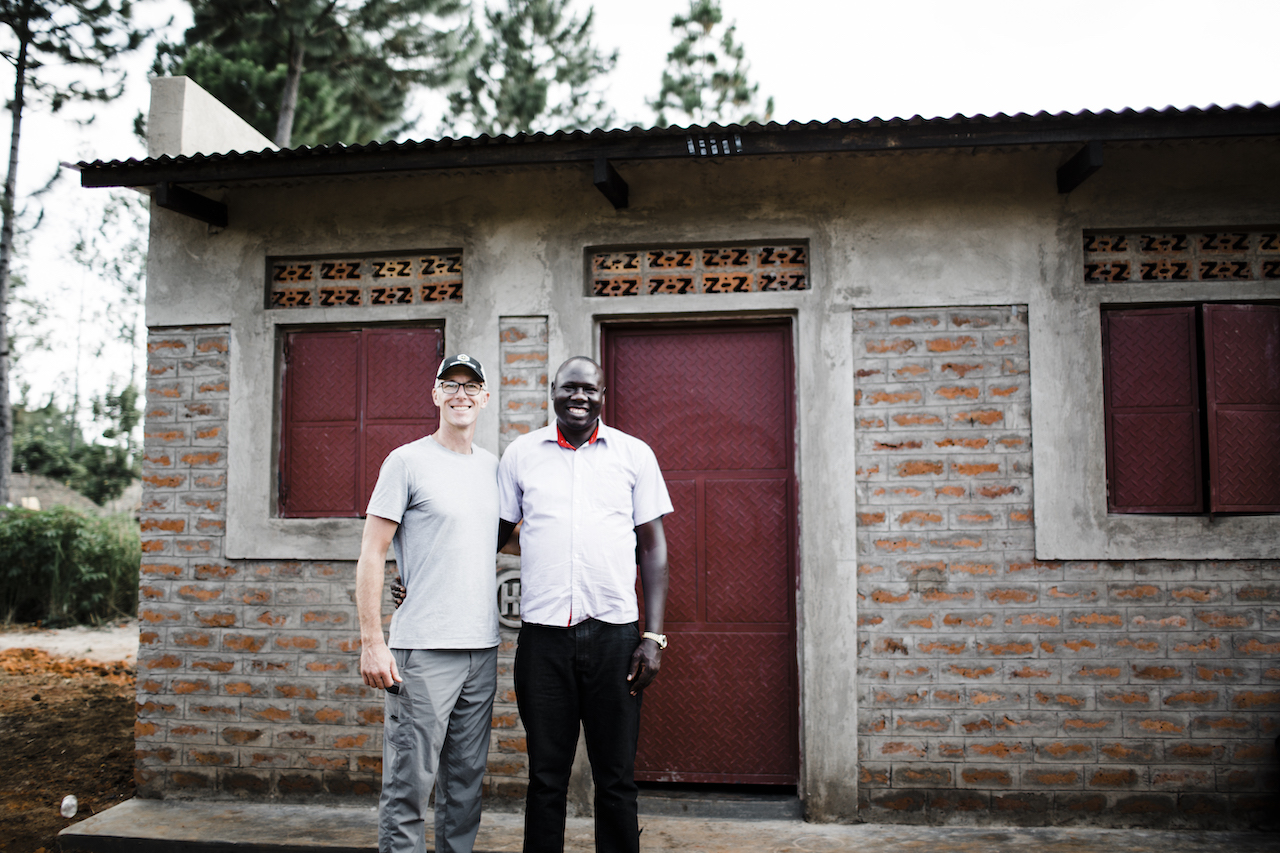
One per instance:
(716, 404)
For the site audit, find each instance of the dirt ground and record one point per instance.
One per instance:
(66, 727)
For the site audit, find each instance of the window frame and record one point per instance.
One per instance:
(1068, 424)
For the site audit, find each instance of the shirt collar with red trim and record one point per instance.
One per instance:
(563, 442)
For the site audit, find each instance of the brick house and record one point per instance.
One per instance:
(971, 427)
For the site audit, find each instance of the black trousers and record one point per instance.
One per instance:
(567, 675)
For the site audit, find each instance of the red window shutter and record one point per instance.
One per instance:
(321, 411)
(1152, 415)
(349, 399)
(1242, 365)
(400, 369)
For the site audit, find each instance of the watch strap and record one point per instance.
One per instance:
(660, 639)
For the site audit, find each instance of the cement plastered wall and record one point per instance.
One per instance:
(897, 231)
(1178, 187)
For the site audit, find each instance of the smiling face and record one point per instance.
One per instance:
(578, 395)
(457, 409)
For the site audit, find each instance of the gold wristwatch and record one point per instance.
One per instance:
(660, 639)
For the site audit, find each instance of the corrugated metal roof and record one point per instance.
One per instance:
(710, 141)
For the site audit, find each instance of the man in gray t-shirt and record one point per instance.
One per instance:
(437, 500)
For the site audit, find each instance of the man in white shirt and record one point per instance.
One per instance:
(586, 494)
(437, 499)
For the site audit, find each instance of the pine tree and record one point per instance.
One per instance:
(112, 248)
(48, 442)
(705, 79)
(310, 72)
(41, 39)
(538, 71)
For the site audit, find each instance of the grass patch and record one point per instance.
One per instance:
(60, 567)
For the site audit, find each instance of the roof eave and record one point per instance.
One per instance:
(695, 143)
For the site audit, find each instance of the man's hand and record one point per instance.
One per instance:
(645, 662)
(398, 592)
(378, 667)
(509, 536)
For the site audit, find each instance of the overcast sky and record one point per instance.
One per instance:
(824, 59)
(819, 59)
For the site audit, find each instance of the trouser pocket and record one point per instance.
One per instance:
(396, 729)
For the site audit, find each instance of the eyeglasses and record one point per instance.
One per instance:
(472, 388)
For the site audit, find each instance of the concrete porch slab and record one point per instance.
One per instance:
(153, 826)
(162, 826)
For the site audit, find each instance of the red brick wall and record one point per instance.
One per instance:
(998, 688)
(248, 670)
(522, 392)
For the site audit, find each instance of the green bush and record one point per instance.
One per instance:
(60, 567)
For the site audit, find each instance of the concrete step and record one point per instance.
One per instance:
(167, 826)
(720, 805)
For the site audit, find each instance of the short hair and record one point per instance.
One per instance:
(571, 359)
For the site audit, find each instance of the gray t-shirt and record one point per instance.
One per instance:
(447, 507)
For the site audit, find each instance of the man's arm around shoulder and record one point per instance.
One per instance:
(377, 666)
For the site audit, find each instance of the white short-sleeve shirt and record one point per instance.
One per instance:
(580, 509)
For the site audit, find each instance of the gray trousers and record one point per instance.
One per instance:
(436, 733)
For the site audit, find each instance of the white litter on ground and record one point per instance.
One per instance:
(69, 806)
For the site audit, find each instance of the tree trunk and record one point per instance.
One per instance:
(7, 207)
(289, 98)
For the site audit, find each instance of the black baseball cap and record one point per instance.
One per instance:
(462, 360)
